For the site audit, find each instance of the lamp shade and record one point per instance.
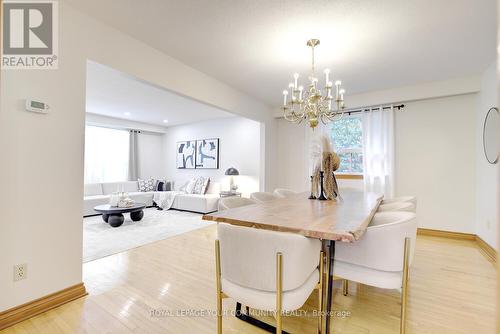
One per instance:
(232, 171)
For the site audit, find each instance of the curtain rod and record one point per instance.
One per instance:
(353, 111)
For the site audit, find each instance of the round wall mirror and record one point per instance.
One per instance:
(490, 135)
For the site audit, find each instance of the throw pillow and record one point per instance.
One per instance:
(190, 186)
(164, 185)
(199, 186)
(160, 184)
(206, 184)
(146, 185)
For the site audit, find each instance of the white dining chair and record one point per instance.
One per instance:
(411, 199)
(267, 270)
(234, 202)
(397, 206)
(263, 196)
(282, 192)
(382, 256)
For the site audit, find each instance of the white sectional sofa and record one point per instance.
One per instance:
(99, 193)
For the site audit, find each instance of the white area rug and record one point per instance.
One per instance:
(100, 239)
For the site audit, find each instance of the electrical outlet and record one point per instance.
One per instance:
(488, 224)
(20, 272)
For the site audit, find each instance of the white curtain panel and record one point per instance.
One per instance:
(133, 158)
(378, 151)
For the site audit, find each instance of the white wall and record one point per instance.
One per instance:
(239, 147)
(46, 151)
(435, 153)
(487, 199)
(150, 155)
(293, 156)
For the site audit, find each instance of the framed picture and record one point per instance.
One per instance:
(186, 154)
(207, 153)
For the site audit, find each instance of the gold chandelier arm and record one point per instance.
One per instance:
(292, 117)
(331, 117)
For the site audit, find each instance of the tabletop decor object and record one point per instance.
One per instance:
(325, 162)
(232, 172)
(120, 200)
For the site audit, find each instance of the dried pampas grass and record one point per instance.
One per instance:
(325, 159)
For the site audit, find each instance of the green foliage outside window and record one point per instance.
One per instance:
(347, 138)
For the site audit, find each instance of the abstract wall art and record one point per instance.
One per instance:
(186, 154)
(207, 153)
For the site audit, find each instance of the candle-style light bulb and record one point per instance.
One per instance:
(296, 77)
(285, 93)
(314, 81)
(337, 86)
(327, 76)
(290, 86)
(342, 92)
(301, 89)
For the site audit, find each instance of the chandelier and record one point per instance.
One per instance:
(311, 104)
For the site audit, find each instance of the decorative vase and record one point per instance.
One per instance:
(335, 187)
(321, 193)
(114, 199)
(312, 190)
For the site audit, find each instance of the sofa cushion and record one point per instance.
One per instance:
(213, 188)
(127, 186)
(92, 189)
(196, 203)
(89, 202)
(145, 197)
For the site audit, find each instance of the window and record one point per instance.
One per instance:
(106, 154)
(347, 136)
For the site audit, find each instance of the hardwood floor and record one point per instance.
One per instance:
(452, 290)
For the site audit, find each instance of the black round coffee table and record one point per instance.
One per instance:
(114, 215)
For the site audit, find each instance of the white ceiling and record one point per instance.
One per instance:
(115, 94)
(256, 45)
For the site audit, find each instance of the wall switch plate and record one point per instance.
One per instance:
(20, 272)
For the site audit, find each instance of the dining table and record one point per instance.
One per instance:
(343, 219)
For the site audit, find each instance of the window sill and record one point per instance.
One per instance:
(349, 176)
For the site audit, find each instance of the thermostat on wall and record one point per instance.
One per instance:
(36, 106)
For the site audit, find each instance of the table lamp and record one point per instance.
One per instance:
(232, 172)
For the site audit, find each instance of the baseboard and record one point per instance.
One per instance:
(446, 234)
(25, 311)
(485, 248)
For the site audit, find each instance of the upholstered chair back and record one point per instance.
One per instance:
(263, 197)
(234, 202)
(381, 247)
(411, 199)
(281, 192)
(397, 206)
(248, 257)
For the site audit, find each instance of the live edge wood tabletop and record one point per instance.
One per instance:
(343, 219)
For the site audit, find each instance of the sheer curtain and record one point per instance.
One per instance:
(133, 156)
(378, 151)
(106, 154)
